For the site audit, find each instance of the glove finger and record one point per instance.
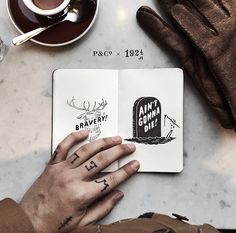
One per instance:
(160, 31)
(227, 6)
(195, 29)
(166, 6)
(209, 10)
(226, 120)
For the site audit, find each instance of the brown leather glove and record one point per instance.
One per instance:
(189, 56)
(156, 224)
(213, 30)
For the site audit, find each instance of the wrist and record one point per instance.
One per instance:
(34, 218)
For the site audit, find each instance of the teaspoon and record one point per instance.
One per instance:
(78, 11)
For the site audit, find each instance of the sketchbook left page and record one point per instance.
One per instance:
(85, 99)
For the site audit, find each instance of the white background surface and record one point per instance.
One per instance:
(205, 191)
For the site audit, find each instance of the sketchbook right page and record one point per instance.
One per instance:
(150, 114)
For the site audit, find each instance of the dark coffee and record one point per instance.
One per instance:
(47, 4)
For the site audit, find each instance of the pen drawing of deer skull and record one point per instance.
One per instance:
(90, 113)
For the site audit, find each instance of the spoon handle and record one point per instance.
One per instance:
(29, 35)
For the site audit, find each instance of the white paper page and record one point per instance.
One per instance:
(85, 99)
(157, 98)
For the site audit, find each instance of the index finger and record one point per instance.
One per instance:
(60, 154)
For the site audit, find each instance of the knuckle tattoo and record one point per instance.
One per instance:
(76, 157)
(105, 184)
(91, 166)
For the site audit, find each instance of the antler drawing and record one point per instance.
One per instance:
(101, 105)
(85, 108)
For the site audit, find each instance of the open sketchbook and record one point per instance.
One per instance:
(142, 106)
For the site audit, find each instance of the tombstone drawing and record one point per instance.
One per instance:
(147, 122)
(147, 117)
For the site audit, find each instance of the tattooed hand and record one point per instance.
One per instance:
(67, 195)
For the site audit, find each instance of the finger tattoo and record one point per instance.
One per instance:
(54, 155)
(65, 222)
(92, 166)
(76, 157)
(104, 181)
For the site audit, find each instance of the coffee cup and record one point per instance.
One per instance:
(45, 7)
